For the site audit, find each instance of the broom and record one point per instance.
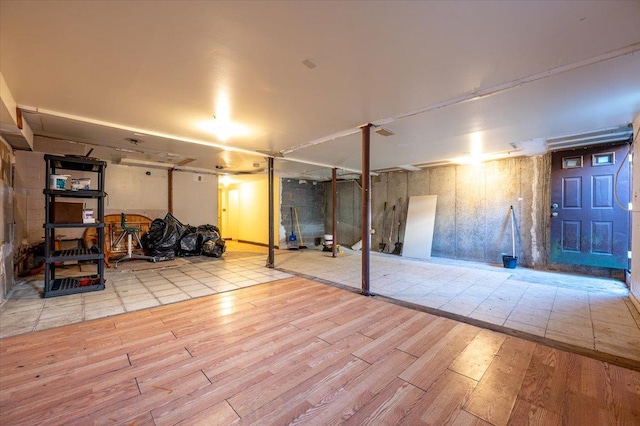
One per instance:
(302, 246)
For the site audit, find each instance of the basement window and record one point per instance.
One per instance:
(572, 162)
(606, 159)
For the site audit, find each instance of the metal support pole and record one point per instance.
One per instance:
(170, 189)
(366, 207)
(334, 208)
(271, 256)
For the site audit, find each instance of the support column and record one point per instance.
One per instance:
(366, 207)
(170, 188)
(334, 208)
(271, 255)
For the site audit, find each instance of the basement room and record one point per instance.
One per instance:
(348, 212)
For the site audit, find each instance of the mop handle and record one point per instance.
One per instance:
(513, 234)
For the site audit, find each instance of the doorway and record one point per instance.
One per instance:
(590, 193)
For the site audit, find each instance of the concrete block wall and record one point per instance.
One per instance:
(29, 199)
(349, 208)
(308, 197)
(7, 239)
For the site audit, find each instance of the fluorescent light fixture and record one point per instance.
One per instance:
(192, 169)
(143, 163)
(383, 132)
(410, 168)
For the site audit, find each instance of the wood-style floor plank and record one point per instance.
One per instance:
(430, 365)
(474, 360)
(442, 402)
(495, 395)
(390, 406)
(300, 352)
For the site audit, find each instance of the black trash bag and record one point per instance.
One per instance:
(171, 220)
(188, 243)
(161, 239)
(211, 242)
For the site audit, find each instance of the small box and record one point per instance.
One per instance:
(87, 216)
(66, 212)
(81, 184)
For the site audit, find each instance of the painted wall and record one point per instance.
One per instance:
(634, 281)
(247, 203)
(195, 198)
(130, 189)
(136, 190)
(28, 197)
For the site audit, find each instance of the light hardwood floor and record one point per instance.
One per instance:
(300, 352)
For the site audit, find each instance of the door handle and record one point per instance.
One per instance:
(554, 214)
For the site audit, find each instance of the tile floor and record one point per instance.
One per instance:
(135, 285)
(592, 313)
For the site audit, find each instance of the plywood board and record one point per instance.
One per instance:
(418, 234)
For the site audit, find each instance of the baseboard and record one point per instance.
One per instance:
(635, 301)
(254, 243)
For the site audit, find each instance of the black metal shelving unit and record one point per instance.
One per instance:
(69, 285)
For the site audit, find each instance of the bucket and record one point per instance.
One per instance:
(509, 261)
(58, 181)
(328, 238)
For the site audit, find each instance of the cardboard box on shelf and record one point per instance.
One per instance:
(66, 212)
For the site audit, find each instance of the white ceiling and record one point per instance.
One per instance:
(439, 74)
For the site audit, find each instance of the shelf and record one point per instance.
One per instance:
(69, 215)
(72, 285)
(84, 164)
(73, 225)
(74, 194)
(74, 254)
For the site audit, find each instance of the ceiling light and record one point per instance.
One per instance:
(221, 125)
(384, 132)
(479, 158)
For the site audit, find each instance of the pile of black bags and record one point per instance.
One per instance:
(168, 238)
